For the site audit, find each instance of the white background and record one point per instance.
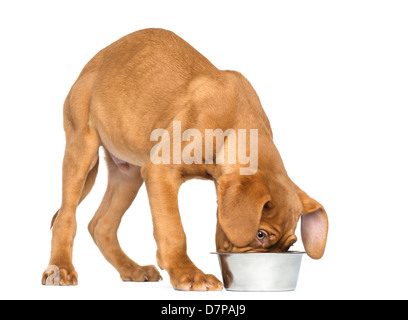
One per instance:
(333, 79)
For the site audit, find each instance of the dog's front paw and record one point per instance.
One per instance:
(196, 281)
(55, 276)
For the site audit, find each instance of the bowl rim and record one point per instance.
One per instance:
(262, 253)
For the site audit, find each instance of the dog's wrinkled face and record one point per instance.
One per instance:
(276, 230)
(276, 233)
(256, 216)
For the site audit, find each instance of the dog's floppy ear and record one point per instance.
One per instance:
(241, 200)
(314, 226)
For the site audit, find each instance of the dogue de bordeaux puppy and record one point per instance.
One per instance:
(153, 79)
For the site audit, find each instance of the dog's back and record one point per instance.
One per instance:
(147, 79)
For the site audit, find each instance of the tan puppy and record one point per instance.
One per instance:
(145, 81)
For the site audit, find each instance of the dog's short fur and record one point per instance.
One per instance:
(146, 81)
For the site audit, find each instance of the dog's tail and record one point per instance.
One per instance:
(89, 183)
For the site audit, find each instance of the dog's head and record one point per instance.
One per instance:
(257, 215)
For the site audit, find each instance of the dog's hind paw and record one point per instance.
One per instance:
(54, 276)
(141, 274)
(51, 276)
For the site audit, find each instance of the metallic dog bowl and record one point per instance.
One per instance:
(260, 271)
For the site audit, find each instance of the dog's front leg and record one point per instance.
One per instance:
(163, 183)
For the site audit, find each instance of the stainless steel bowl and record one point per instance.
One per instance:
(260, 271)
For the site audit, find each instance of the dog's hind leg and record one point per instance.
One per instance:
(124, 182)
(81, 157)
(89, 183)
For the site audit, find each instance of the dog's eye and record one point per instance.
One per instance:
(268, 205)
(260, 235)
